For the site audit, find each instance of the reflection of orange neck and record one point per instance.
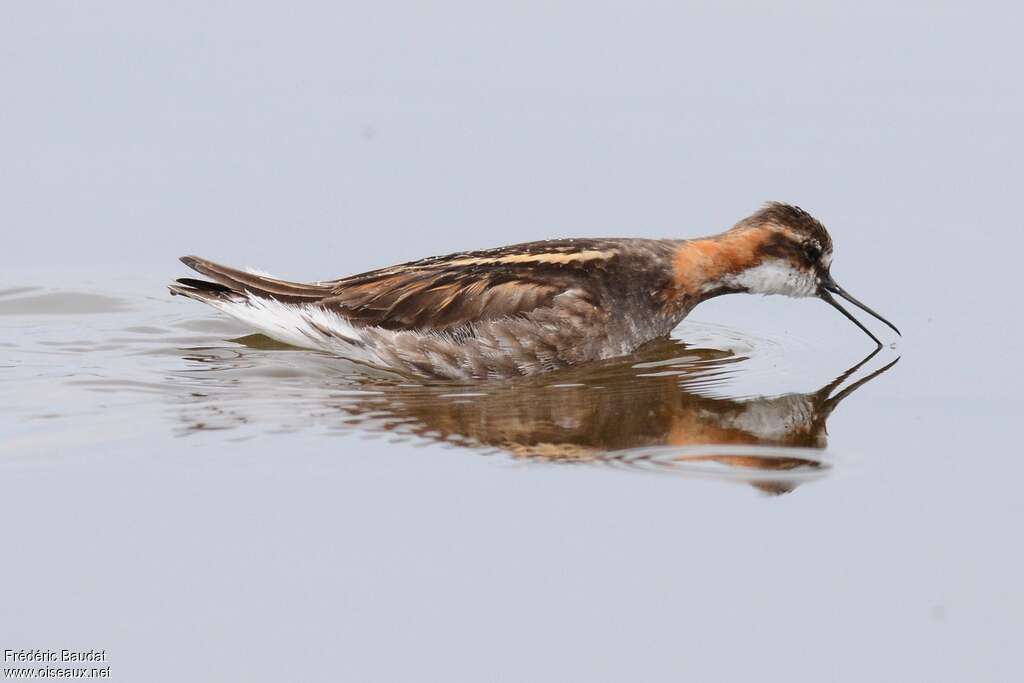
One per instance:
(699, 264)
(689, 430)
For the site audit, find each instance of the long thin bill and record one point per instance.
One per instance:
(832, 286)
(825, 296)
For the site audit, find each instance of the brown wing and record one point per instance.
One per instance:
(440, 300)
(454, 290)
(449, 291)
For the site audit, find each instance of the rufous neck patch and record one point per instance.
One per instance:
(700, 263)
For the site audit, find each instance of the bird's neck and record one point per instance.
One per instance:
(707, 267)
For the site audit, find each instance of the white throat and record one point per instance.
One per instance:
(774, 276)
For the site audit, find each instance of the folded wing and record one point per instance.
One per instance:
(436, 293)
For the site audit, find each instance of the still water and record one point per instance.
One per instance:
(676, 406)
(174, 480)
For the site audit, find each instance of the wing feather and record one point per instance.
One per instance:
(459, 289)
(442, 299)
(449, 291)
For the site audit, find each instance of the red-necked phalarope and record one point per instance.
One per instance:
(529, 308)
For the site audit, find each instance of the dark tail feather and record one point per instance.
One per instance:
(201, 290)
(231, 283)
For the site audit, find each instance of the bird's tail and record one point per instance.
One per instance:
(233, 285)
(285, 311)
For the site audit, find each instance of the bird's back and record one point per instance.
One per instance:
(512, 310)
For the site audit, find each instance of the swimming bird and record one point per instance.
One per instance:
(529, 308)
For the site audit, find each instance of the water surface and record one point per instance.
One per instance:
(170, 435)
(676, 406)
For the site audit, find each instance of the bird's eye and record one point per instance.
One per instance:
(812, 251)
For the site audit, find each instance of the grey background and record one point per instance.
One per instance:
(316, 140)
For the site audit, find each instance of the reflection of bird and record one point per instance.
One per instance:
(652, 412)
(529, 308)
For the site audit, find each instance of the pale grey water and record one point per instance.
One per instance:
(206, 506)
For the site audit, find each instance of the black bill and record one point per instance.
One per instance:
(829, 287)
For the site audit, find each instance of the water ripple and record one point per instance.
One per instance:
(690, 408)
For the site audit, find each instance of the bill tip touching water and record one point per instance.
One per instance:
(529, 308)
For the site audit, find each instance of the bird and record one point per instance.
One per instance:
(530, 308)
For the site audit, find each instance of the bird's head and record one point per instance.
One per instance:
(781, 249)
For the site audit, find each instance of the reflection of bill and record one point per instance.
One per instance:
(651, 412)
